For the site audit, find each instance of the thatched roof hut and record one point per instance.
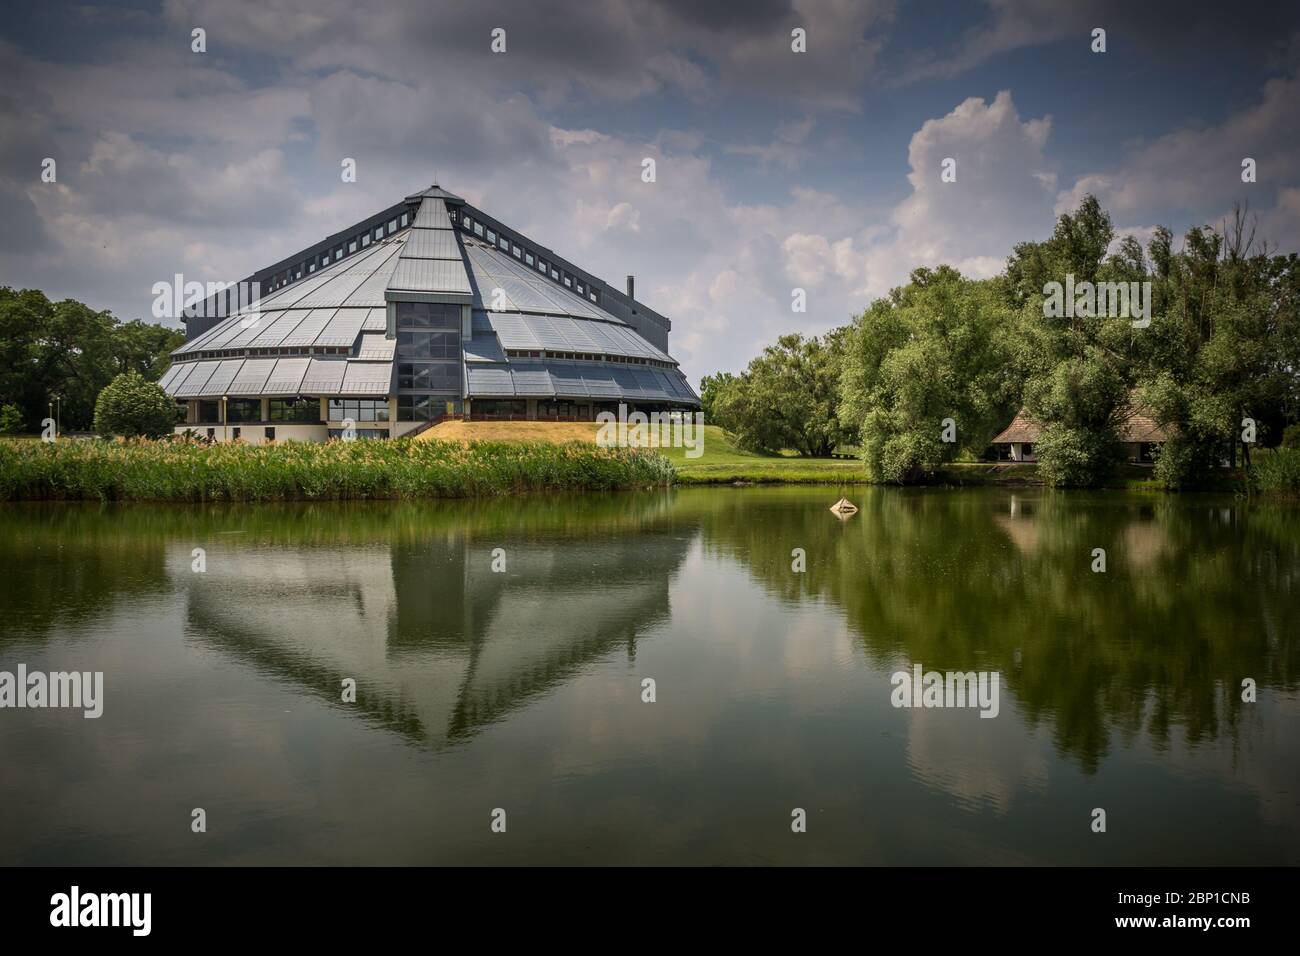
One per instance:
(1137, 425)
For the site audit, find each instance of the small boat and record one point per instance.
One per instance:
(844, 508)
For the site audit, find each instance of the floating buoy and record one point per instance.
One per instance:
(844, 508)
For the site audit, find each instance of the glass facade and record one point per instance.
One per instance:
(564, 410)
(426, 408)
(428, 315)
(428, 360)
(304, 411)
(429, 376)
(417, 344)
(359, 409)
(244, 410)
(509, 408)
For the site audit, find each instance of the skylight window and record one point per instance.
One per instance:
(352, 246)
(491, 237)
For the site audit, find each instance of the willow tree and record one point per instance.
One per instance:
(927, 374)
(787, 398)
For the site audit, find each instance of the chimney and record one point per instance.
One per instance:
(631, 286)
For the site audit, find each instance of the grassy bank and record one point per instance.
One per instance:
(300, 471)
(723, 463)
(1276, 471)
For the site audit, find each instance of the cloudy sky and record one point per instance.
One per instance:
(775, 169)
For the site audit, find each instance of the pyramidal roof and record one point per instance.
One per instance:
(434, 192)
(321, 325)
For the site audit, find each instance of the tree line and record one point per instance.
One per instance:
(65, 353)
(1214, 359)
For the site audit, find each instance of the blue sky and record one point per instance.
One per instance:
(775, 170)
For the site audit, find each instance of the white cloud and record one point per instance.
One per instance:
(1002, 195)
(1198, 169)
(175, 162)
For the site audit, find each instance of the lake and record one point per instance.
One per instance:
(500, 651)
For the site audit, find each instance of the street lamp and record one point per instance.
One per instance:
(225, 432)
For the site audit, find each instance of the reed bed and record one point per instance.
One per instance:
(176, 470)
(1276, 472)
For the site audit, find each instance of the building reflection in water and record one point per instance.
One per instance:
(438, 643)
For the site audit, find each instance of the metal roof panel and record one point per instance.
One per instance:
(286, 377)
(432, 214)
(324, 376)
(367, 378)
(311, 326)
(198, 377)
(430, 275)
(343, 327)
(482, 380)
(431, 244)
(376, 346)
(252, 377)
(484, 348)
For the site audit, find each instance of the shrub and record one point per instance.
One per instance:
(11, 420)
(1276, 472)
(1074, 457)
(1182, 464)
(132, 405)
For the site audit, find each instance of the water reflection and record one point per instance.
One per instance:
(1198, 594)
(438, 642)
(1120, 687)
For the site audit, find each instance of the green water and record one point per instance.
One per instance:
(522, 690)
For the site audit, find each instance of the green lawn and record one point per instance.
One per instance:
(723, 463)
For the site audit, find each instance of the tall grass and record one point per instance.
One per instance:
(1276, 472)
(140, 470)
